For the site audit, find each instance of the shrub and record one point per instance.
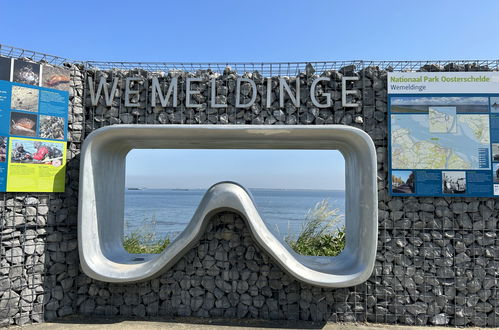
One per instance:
(134, 243)
(319, 235)
(144, 240)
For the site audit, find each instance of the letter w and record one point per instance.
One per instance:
(102, 85)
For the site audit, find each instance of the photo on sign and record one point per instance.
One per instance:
(55, 77)
(495, 174)
(3, 148)
(454, 182)
(26, 73)
(495, 152)
(52, 127)
(36, 152)
(494, 104)
(23, 124)
(403, 182)
(24, 98)
(496, 189)
(5, 68)
(422, 104)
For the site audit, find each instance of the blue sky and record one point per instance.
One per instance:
(257, 30)
(298, 169)
(404, 175)
(228, 31)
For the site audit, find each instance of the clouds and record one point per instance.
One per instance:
(446, 100)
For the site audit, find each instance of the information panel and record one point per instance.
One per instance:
(33, 126)
(444, 133)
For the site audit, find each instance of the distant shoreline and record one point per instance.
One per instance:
(278, 189)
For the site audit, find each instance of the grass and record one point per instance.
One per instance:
(319, 235)
(144, 240)
(136, 243)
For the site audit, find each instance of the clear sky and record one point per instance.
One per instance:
(258, 30)
(281, 169)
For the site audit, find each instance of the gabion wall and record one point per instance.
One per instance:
(437, 257)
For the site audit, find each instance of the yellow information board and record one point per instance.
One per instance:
(36, 165)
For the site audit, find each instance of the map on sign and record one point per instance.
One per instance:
(443, 134)
(439, 137)
(442, 119)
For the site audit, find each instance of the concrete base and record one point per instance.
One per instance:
(191, 323)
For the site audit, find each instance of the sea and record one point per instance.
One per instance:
(166, 212)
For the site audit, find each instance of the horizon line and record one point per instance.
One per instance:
(262, 188)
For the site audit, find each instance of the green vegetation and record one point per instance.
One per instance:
(137, 243)
(144, 240)
(318, 236)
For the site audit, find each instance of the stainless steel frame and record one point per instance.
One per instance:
(102, 185)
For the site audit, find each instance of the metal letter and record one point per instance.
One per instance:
(345, 92)
(295, 99)
(188, 93)
(102, 84)
(129, 92)
(156, 88)
(238, 93)
(269, 93)
(312, 94)
(213, 101)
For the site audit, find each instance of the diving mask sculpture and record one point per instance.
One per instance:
(101, 200)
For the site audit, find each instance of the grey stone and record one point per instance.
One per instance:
(57, 268)
(461, 258)
(246, 299)
(196, 291)
(208, 283)
(250, 253)
(242, 286)
(440, 319)
(474, 286)
(223, 285)
(43, 209)
(31, 200)
(185, 283)
(258, 301)
(54, 237)
(221, 254)
(196, 303)
(417, 308)
(87, 307)
(29, 248)
(222, 303)
(309, 69)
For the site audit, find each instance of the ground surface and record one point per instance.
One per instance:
(82, 322)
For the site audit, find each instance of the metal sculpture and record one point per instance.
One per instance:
(101, 199)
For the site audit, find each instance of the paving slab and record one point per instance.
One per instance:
(187, 323)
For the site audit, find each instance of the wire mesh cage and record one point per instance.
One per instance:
(431, 251)
(14, 52)
(294, 68)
